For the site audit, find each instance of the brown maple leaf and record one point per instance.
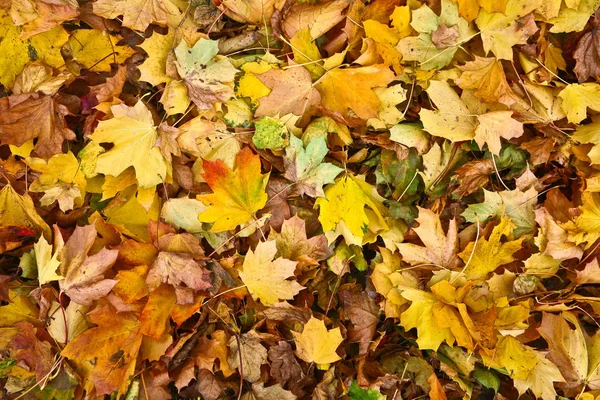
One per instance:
(587, 53)
(26, 117)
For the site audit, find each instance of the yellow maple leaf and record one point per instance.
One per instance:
(237, 195)
(17, 51)
(486, 76)
(17, 210)
(528, 368)
(490, 253)
(344, 89)
(577, 98)
(453, 120)
(587, 224)
(134, 136)
(61, 180)
(349, 207)
(154, 68)
(458, 119)
(97, 49)
(267, 279)
(500, 31)
(420, 316)
(108, 352)
(317, 344)
(47, 264)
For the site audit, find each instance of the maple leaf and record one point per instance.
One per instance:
(577, 98)
(500, 31)
(440, 248)
(154, 68)
(590, 133)
(318, 344)
(130, 130)
(205, 74)
(431, 28)
(486, 76)
(486, 255)
(62, 175)
(291, 93)
(292, 243)
(455, 120)
(247, 355)
(265, 278)
(47, 263)
(237, 195)
(34, 353)
(344, 89)
(528, 368)
(320, 18)
(155, 315)
(41, 16)
(27, 117)
(17, 210)
(344, 209)
(84, 275)
(305, 167)
(108, 352)
(517, 205)
(587, 224)
(138, 14)
(568, 345)
(95, 49)
(20, 51)
(587, 53)
(182, 272)
(66, 327)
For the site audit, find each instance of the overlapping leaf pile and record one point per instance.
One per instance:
(288, 199)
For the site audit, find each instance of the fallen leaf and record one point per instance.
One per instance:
(247, 354)
(237, 195)
(318, 344)
(265, 278)
(109, 351)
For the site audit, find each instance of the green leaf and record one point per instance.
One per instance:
(355, 392)
(487, 378)
(270, 134)
(305, 167)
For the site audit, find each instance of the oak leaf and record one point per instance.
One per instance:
(237, 195)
